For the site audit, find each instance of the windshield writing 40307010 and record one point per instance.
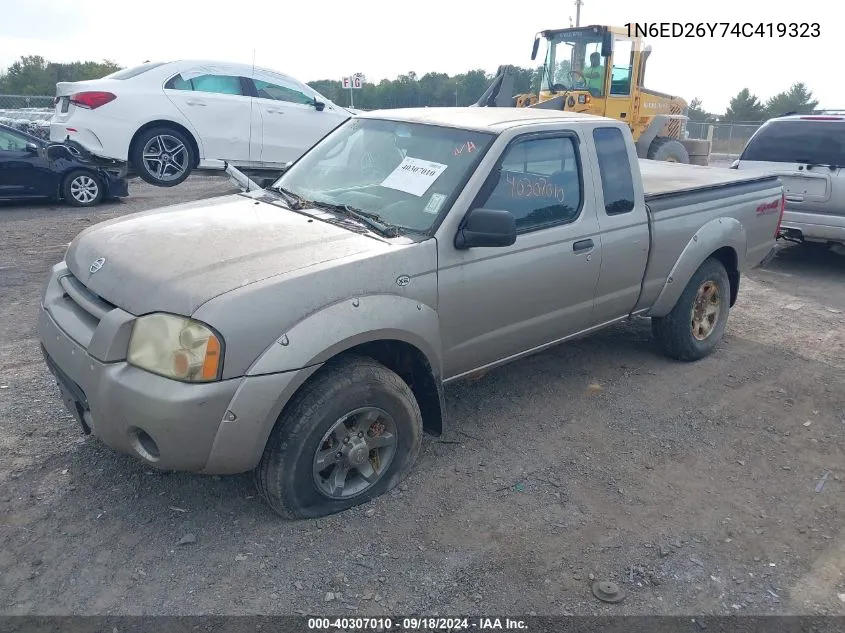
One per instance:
(534, 187)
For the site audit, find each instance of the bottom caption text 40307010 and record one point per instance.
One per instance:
(350, 625)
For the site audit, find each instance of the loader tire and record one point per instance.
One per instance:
(668, 149)
(696, 324)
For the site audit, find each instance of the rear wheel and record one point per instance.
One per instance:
(697, 322)
(668, 149)
(349, 435)
(82, 188)
(162, 156)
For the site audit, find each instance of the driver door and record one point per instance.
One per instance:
(496, 303)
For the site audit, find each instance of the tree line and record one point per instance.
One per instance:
(33, 75)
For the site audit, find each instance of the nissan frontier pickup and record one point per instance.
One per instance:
(305, 331)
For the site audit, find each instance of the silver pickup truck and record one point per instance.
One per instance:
(305, 331)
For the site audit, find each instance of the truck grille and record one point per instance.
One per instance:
(90, 303)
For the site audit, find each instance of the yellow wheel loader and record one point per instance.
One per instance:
(599, 70)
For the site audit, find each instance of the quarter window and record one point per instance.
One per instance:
(539, 183)
(617, 181)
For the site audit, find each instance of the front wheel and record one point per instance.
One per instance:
(162, 156)
(349, 435)
(697, 322)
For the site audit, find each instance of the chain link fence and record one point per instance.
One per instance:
(25, 102)
(727, 139)
(27, 113)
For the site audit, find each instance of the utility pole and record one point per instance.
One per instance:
(578, 4)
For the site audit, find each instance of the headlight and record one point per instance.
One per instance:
(175, 347)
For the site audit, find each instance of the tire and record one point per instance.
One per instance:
(668, 149)
(286, 476)
(179, 157)
(675, 331)
(82, 188)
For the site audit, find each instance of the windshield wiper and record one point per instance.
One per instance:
(372, 220)
(294, 201)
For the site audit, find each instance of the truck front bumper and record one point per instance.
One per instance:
(212, 428)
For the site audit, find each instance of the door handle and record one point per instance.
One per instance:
(275, 111)
(196, 103)
(582, 245)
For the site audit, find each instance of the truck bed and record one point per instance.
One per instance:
(663, 181)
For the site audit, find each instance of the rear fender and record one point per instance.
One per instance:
(716, 234)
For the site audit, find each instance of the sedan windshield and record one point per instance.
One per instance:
(399, 174)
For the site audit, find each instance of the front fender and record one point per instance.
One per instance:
(716, 234)
(343, 325)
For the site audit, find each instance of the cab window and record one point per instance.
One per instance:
(798, 141)
(539, 182)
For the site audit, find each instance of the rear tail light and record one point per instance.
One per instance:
(92, 99)
(780, 216)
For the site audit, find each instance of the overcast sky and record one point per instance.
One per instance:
(320, 39)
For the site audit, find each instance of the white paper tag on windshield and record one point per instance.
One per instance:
(434, 203)
(414, 176)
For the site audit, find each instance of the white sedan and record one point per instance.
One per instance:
(166, 118)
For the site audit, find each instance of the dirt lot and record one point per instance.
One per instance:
(693, 486)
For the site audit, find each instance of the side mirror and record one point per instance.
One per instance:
(486, 227)
(535, 48)
(32, 148)
(319, 105)
(607, 44)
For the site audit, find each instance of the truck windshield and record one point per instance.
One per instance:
(574, 62)
(405, 174)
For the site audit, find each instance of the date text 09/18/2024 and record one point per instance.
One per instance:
(416, 624)
(724, 29)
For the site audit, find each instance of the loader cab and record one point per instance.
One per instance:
(589, 69)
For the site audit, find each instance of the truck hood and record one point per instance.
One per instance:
(176, 258)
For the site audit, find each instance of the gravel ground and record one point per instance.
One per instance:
(692, 486)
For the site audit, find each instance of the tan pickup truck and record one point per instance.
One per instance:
(305, 331)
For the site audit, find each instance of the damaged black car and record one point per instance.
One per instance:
(32, 168)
